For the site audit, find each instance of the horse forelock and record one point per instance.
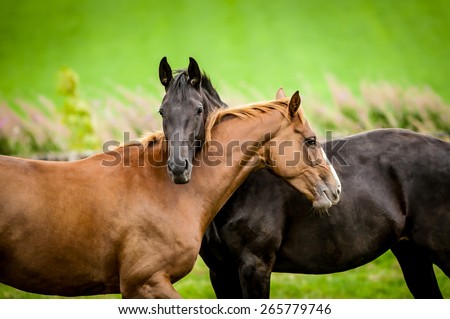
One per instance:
(246, 111)
(180, 82)
(181, 77)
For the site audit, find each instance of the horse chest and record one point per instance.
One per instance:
(161, 245)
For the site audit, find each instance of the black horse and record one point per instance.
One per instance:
(395, 195)
(190, 98)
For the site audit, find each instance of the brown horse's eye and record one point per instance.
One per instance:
(310, 142)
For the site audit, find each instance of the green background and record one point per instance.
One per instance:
(247, 45)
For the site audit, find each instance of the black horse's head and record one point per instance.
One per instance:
(189, 99)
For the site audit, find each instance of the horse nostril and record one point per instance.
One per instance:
(178, 168)
(170, 164)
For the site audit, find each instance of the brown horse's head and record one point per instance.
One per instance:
(296, 155)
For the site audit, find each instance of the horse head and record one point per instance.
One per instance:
(189, 99)
(297, 156)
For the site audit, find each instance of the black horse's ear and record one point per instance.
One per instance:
(195, 76)
(294, 103)
(165, 72)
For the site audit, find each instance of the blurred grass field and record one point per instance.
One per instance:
(256, 44)
(359, 64)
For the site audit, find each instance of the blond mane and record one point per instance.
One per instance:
(246, 111)
(152, 138)
(149, 139)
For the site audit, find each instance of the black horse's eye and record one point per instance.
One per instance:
(310, 142)
(200, 110)
(161, 113)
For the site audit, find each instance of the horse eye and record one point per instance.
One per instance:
(310, 142)
(199, 110)
(161, 113)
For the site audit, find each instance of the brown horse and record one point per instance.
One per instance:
(116, 223)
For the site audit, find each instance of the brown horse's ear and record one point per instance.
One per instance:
(195, 76)
(294, 103)
(280, 94)
(165, 73)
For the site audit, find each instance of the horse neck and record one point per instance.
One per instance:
(217, 179)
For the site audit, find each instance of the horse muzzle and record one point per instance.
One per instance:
(180, 173)
(327, 196)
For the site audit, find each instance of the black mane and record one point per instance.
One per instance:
(210, 95)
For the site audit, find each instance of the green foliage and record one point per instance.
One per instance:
(82, 123)
(5, 146)
(30, 133)
(76, 115)
(383, 105)
(79, 125)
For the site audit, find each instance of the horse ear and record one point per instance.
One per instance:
(294, 103)
(194, 73)
(280, 94)
(165, 72)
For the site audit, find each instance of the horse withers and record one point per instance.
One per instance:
(115, 222)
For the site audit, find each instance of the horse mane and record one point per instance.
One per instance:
(246, 111)
(208, 87)
(148, 140)
(182, 75)
(152, 139)
(213, 98)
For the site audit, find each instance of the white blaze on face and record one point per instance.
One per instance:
(332, 169)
